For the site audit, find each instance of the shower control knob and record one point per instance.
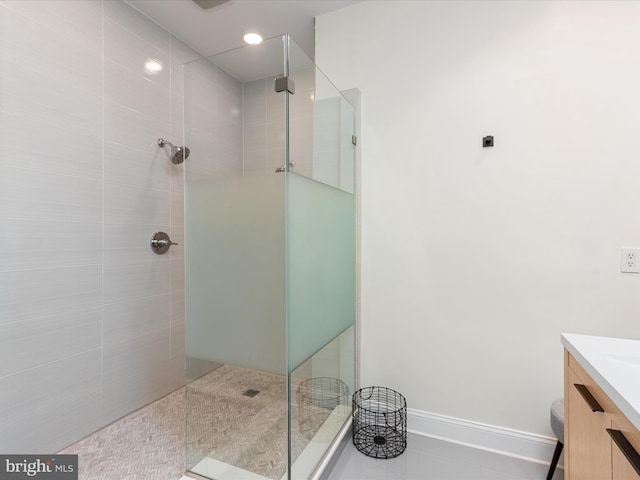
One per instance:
(160, 243)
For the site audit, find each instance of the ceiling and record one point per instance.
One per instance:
(221, 28)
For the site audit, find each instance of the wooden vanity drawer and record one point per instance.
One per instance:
(601, 443)
(591, 385)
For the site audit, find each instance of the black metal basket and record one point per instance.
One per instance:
(316, 398)
(379, 422)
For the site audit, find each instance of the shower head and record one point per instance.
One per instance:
(178, 154)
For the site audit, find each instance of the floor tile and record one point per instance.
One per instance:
(431, 459)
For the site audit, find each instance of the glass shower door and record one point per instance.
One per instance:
(269, 263)
(321, 263)
(236, 397)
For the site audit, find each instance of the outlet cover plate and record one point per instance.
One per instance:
(630, 260)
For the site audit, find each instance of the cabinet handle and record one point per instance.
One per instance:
(586, 395)
(626, 448)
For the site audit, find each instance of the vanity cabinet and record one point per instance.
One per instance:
(620, 466)
(598, 438)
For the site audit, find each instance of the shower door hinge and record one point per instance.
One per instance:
(285, 83)
(354, 139)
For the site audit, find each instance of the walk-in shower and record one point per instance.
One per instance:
(97, 247)
(269, 263)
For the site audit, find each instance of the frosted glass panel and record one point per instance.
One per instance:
(235, 272)
(320, 265)
(236, 396)
(269, 231)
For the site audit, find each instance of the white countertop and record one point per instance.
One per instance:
(614, 363)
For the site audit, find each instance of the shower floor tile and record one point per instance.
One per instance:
(223, 423)
(145, 445)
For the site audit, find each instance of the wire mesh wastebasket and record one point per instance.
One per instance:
(316, 398)
(379, 422)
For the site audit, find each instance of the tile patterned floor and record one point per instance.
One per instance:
(250, 432)
(222, 422)
(146, 445)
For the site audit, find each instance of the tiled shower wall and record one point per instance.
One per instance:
(213, 122)
(91, 320)
(265, 122)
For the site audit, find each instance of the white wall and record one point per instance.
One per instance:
(475, 260)
(91, 320)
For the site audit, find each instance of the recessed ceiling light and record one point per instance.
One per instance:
(253, 38)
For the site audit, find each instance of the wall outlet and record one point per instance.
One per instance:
(630, 260)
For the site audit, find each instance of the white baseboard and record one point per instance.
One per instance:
(504, 441)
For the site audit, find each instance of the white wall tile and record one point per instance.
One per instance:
(197, 174)
(182, 53)
(133, 52)
(77, 20)
(177, 344)
(200, 119)
(136, 92)
(203, 151)
(142, 168)
(129, 393)
(301, 144)
(199, 78)
(254, 90)
(177, 354)
(134, 129)
(49, 148)
(137, 280)
(177, 176)
(230, 86)
(137, 23)
(136, 356)
(83, 185)
(229, 157)
(255, 137)
(37, 195)
(276, 109)
(255, 161)
(177, 275)
(177, 83)
(177, 372)
(255, 112)
(135, 205)
(177, 310)
(177, 209)
(37, 341)
(130, 243)
(76, 60)
(177, 111)
(41, 243)
(35, 96)
(133, 319)
(229, 109)
(275, 135)
(229, 138)
(44, 409)
(26, 294)
(177, 236)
